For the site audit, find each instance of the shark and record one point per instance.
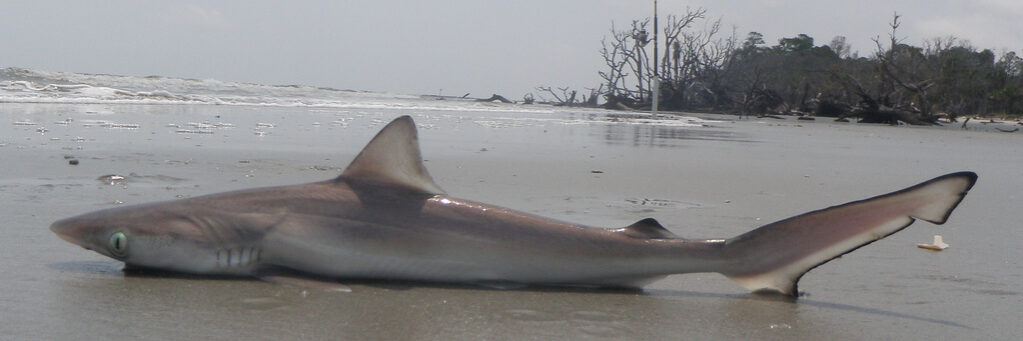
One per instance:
(384, 218)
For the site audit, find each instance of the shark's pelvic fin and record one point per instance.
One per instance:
(648, 228)
(772, 258)
(393, 159)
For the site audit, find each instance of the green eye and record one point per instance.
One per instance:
(118, 244)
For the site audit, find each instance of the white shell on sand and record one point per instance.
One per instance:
(937, 245)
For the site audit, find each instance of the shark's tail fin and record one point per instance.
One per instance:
(772, 258)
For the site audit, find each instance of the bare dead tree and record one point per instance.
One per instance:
(548, 89)
(638, 59)
(616, 50)
(567, 97)
(692, 64)
(689, 67)
(624, 54)
(896, 66)
(591, 101)
(934, 46)
(707, 52)
(675, 24)
(680, 69)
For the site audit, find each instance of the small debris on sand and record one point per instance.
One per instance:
(937, 245)
(112, 179)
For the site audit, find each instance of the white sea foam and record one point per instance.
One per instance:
(636, 119)
(33, 86)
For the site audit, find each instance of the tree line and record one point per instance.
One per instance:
(708, 70)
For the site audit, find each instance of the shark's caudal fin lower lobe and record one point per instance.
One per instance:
(773, 257)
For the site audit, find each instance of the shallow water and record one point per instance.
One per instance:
(702, 178)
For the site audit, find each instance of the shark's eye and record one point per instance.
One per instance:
(118, 244)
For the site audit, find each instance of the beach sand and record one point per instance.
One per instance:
(717, 177)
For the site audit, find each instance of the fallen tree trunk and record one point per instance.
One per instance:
(495, 97)
(871, 111)
(891, 116)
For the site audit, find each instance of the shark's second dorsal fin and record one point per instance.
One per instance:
(392, 158)
(648, 228)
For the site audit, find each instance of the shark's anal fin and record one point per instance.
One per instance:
(648, 228)
(774, 257)
(392, 158)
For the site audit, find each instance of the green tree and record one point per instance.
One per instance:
(800, 43)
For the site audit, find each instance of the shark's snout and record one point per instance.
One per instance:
(62, 229)
(72, 231)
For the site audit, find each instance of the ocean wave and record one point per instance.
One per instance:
(18, 85)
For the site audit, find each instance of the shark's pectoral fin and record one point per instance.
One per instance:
(393, 159)
(648, 228)
(772, 258)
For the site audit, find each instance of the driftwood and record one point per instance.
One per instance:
(891, 116)
(764, 101)
(831, 108)
(871, 111)
(620, 102)
(495, 97)
(567, 97)
(528, 98)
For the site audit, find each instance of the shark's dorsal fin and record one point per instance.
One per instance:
(392, 158)
(648, 228)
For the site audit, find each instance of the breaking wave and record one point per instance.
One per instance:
(18, 85)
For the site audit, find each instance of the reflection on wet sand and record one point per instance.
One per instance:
(133, 305)
(661, 136)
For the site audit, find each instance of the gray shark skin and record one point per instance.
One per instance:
(384, 218)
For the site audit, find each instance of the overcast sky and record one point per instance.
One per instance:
(420, 47)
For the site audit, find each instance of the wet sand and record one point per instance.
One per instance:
(700, 178)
